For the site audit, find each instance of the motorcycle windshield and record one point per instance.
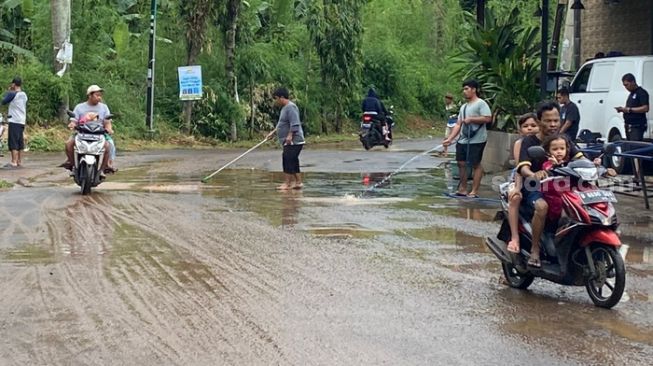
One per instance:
(91, 127)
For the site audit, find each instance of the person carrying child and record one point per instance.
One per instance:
(527, 127)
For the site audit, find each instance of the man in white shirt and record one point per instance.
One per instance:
(16, 116)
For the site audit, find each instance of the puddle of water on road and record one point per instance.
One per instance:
(459, 241)
(344, 231)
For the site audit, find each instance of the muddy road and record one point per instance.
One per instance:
(156, 268)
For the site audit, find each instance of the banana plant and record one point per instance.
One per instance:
(15, 27)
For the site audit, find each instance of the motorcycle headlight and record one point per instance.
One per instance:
(588, 173)
(82, 147)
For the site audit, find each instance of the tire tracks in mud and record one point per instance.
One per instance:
(145, 295)
(142, 278)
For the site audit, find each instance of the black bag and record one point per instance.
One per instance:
(468, 130)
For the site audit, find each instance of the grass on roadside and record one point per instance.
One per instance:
(53, 139)
(4, 184)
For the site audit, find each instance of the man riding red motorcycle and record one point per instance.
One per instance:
(583, 247)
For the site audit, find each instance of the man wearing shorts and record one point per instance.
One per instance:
(472, 118)
(16, 116)
(291, 137)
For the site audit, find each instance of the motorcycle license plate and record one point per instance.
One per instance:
(89, 137)
(366, 125)
(590, 197)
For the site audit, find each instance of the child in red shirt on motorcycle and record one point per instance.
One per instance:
(558, 147)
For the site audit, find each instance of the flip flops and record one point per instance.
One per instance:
(535, 263)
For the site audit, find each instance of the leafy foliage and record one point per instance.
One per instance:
(504, 57)
(336, 30)
(215, 114)
(326, 52)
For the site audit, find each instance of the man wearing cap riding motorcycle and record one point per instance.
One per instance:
(92, 107)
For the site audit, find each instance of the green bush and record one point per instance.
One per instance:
(43, 89)
(214, 113)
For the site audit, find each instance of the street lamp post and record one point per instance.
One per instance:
(149, 114)
(577, 6)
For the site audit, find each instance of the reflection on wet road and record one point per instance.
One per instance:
(155, 268)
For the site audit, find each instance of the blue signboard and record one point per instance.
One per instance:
(190, 82)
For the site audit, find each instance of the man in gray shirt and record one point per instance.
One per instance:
(92, 107)
(291, 137)
(472, 118)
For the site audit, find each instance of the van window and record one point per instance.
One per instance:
(601, 76)
(647, 76)
(579, 85)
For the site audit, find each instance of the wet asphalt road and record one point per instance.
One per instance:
(157, 268)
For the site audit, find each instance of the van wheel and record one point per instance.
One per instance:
(619, 164)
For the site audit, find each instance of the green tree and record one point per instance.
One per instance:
(230, 25)
(196, 15)
(503, 56)
(336, 28)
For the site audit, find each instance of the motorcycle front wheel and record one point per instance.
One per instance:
(607, 286)
(85, 178)
(516, 279)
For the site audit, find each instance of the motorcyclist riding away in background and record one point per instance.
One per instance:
(374, 106)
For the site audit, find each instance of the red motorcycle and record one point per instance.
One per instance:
(581, 250)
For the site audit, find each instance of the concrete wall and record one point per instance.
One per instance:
(498, 151)
(626, 26)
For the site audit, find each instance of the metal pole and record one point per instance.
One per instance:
(642, 179)
(576, 39)
(555, 38)
(543, 49)
(150, 70)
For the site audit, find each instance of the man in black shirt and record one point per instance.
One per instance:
(548, 115)
(569, 115)
(635, 109)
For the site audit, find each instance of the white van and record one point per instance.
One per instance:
(597, 89)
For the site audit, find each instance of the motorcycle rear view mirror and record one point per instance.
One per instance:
(70, 114)
(537, 153)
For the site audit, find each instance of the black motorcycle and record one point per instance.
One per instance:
(372, 129)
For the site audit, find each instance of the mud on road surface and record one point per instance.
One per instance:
(156, 268)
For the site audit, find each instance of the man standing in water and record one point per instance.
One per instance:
(472, 118)
(291, 137)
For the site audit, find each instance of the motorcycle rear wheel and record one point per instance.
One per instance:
(610, 276)
(366, 143)
(516, 279)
